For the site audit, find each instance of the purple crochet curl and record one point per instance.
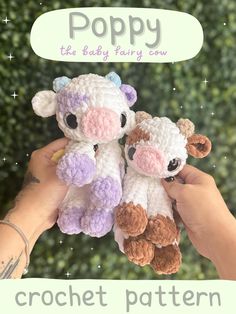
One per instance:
(97, 223)
(69, 101)
(76, 169)
(69, 220)
(105, 192)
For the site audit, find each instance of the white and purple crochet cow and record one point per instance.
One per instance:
(94, 113)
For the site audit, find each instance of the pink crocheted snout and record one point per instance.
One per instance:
(149, 160)
(101, 124)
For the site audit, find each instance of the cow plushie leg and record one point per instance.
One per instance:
(104, 192)
(131, 220)
(131, 214)
(72, 210)
(161, 228)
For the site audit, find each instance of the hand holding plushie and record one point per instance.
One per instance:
(144, 225)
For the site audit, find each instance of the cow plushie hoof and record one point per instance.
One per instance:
(139, 250)
(167, 260)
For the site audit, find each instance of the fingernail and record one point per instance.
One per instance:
(170, 179)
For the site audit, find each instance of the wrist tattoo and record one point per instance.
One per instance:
(29, 179)
(7, 268)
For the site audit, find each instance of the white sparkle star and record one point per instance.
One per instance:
(174, 88)
(60, 241)
(67, 274)
(212, 113)
(4, 159)
(27, 155)
(6, 20)
(205, 81)
(99, 266)
(214, 166)
(224, 24)
(91, 248)
(181, 107)
(201, 107)
(14, 95)
(71, 248)
(10, 56)
(16, 163)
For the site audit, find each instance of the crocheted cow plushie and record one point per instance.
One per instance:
(144, 226)
(93, 112)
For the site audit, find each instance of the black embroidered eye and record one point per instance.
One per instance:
(70, 120)
(123, 120)
(131, 152)
(174, 164)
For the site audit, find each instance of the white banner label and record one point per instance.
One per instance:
(116, 35)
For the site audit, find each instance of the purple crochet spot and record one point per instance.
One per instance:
(76, 169)
(105, 192)
(97, 223)
(69, 101)
(69, 220)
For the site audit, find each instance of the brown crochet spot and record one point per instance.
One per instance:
(137, 135)
(166, 260)
(139, 250)
(161, 230)
(131, 219)
(198, 146)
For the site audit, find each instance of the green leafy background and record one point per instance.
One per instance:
(211, 107)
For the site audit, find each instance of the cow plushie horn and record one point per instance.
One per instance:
(114, 77)
(186, 127)
(60, 82)
(142, 115)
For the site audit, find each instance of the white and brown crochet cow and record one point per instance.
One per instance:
(144, 225)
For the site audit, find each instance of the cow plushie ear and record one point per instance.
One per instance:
(128, 90)
(198, 146)
(44, 103)
(130, 94)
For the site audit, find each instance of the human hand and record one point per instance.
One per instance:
(201, 208)
(42, 192)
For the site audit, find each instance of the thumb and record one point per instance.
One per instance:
(172, 188)
(56, 145)
(55, 148)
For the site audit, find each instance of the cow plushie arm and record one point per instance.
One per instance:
(78, 165)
